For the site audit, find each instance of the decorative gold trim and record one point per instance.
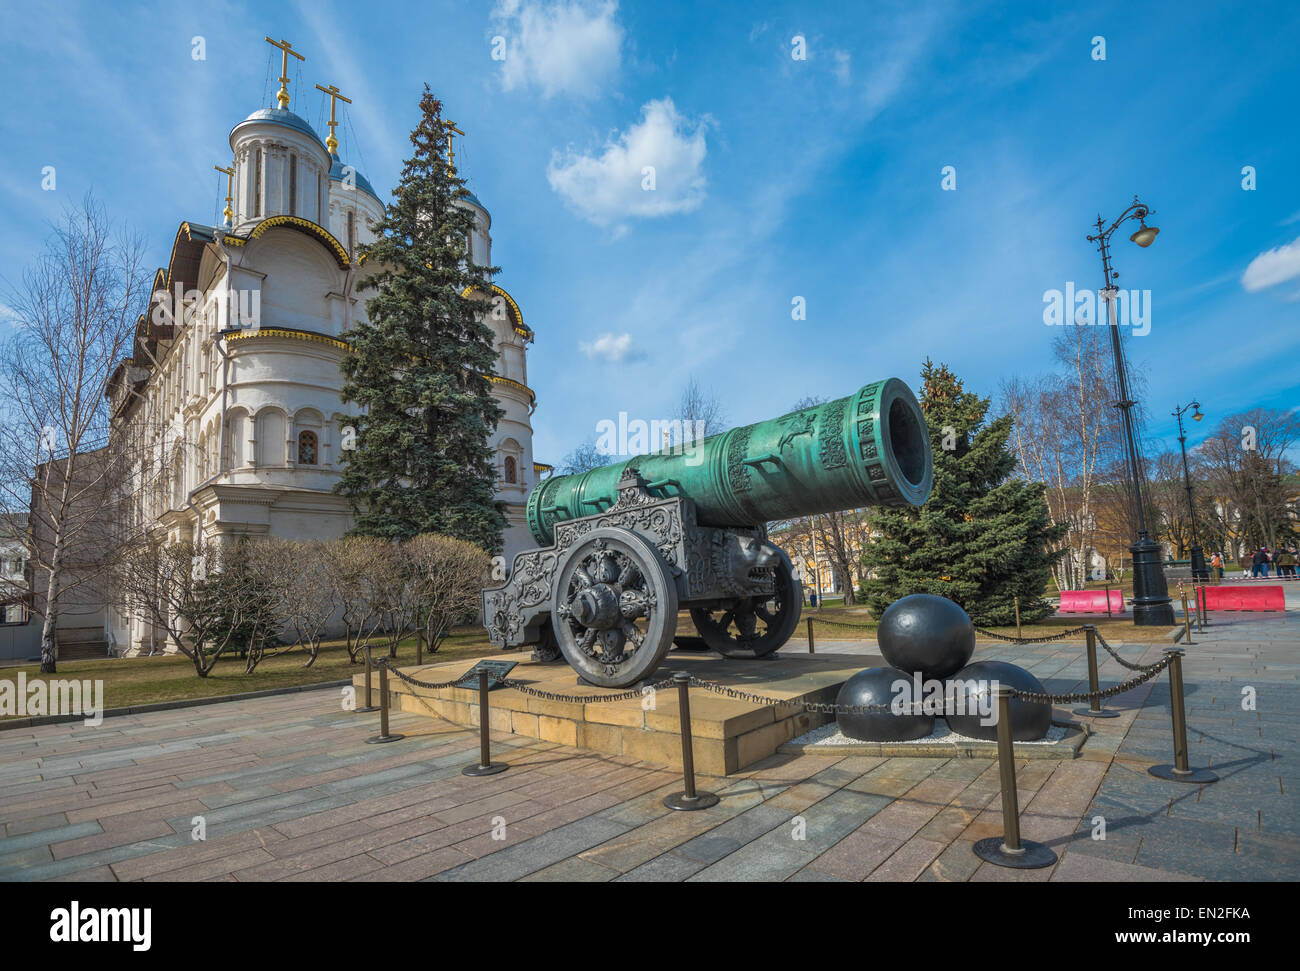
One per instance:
(510, 382)
(293, 335)
(520, 327)
(307, 226)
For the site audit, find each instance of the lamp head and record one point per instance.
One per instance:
(1196, 415)
(1145, 235)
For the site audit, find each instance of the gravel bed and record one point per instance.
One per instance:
(831, 735)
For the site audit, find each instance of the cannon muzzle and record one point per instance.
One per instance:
(871, 448)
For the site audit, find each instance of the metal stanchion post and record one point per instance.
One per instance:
(369, 705)
(1009, 849)
(1187, 615)
(383, 735)
(419, 646)
(485, 765)
(1179, 771)
(689, 799)
(1018, 632)
(811, 646)
(1095, 708)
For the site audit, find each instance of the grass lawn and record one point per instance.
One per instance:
(143, 680)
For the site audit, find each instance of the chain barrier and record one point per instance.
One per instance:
(1146, 675)
(840, 623)
(1031, 640)
(1030, 696)
(979, 630)
(736, 694)
(459, 682)
(631, 693)
(524, 688)
(1111, 651)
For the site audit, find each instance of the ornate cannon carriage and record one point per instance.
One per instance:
(623, 547)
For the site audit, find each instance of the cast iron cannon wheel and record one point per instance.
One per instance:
(614, 608)
(754, 627)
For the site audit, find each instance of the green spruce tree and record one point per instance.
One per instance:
(419, 365)
(982, 537)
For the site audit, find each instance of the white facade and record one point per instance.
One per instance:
(239, 384)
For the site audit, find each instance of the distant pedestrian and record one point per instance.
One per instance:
(1259, 563)
(1286, 563)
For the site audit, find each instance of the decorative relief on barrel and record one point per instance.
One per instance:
(867, 438)
(800, 423)
(833, 453)
(737, 452)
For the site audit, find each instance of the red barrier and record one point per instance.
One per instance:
(1244, 597)
(1091, 601)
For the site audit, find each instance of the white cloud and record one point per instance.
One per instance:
(569, 47)
(613, 185)
(607, 347)
(1272, 267)
(843, 60)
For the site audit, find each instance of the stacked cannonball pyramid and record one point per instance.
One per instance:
(933, 638)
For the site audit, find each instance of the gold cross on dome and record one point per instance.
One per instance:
(282, 96)
(332, 143)
(452, 132)
(228, 213)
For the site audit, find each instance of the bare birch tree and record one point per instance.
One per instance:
(74, 314)
(1066, 429)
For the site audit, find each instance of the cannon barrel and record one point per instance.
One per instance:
(871, 448)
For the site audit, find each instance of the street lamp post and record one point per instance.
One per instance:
(1199, 571)
(1151, 603)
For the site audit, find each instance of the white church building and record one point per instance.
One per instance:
(235, 365)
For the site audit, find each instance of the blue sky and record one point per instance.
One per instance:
(776, 178)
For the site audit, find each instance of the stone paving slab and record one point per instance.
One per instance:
(288, 790)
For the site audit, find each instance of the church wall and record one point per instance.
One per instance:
(299, 275)
(256, 400)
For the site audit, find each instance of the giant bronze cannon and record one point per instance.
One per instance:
(623, 547)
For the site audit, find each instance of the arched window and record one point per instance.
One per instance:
(352, 231)
(307, 448)
(512, 473)
(293, 185)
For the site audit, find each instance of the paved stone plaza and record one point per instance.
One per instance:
(290, 791)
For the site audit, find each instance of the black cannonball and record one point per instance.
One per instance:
(1030, 720)
(877, 686)
(926, 634)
